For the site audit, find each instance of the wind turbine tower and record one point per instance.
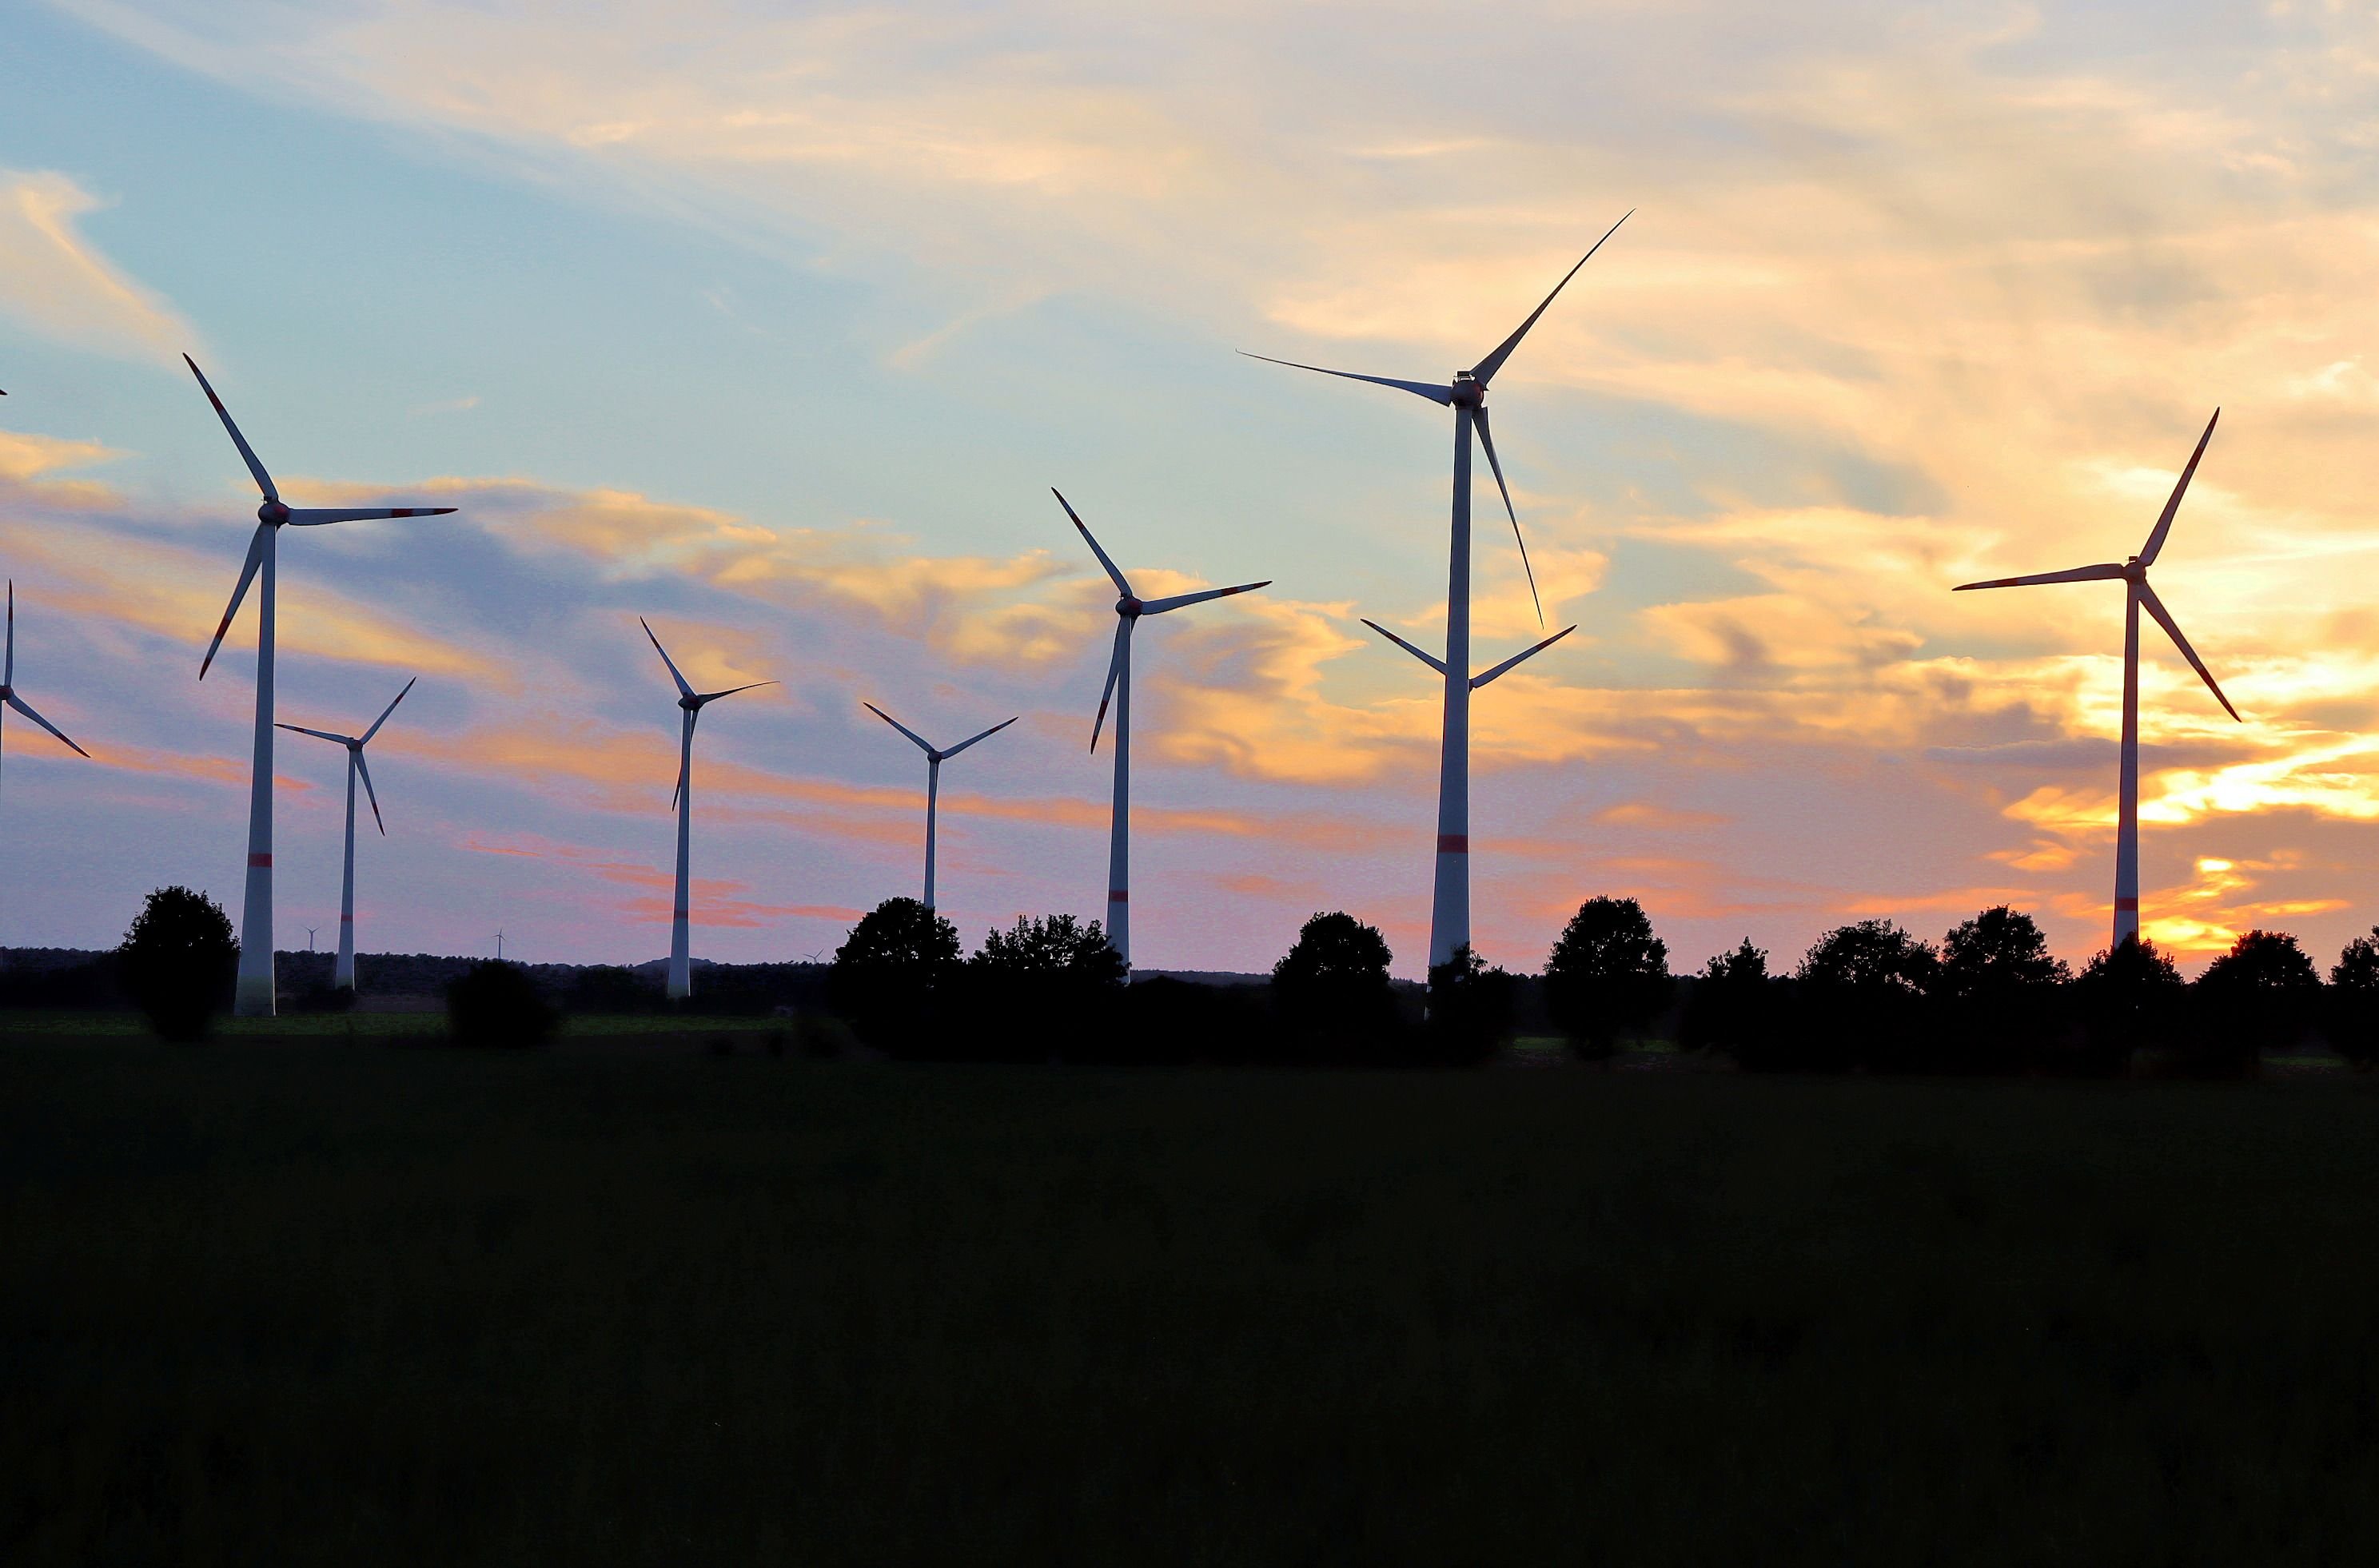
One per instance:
(1449, 919)
(2137, 595)
(934, 759)
(1129, 608)
(255, 997)
(342, 973)
(690, 705)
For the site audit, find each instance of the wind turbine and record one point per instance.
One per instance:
(690, 702)
(342, 973)
(934, 760)
(8, 697)
(2133, 575)
(1449, 918)
(254, 997)
(1129, 608)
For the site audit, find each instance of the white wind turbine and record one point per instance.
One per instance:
(935, 757)
(2133, 575)
(342, 973)
(8, 697)
(255, 996)
(1129, 608)
(1449, 919)
(690, 704)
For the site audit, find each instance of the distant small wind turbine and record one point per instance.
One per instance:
(1128, 609)
(342, 973)
(254, 997)
(500, 946)
(309, 936)
(1449, 920)
(8, 697)
(690, 704)
(2133, 575)
(934, 760)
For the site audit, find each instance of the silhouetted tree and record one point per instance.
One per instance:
(2000, 989)
(1862, 991)
(2128, 998)
(495, 1003)
(2259, 996)
(2354, 1001)
(1471, 1008)
(179, 960)
(1331, 988)
(1043, 988)
(1734, 1004)
(612, 988)
(889, 975)
(1606, 975)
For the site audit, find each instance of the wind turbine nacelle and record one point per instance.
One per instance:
(1467, 392)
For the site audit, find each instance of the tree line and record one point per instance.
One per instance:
(1988, 999)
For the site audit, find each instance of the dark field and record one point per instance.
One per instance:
(273, 1302)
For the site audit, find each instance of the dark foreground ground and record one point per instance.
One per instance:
(270, 1302)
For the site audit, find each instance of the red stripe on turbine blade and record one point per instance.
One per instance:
(1454, 843)
(2130, 904)
(263, 860)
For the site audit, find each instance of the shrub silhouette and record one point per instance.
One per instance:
(179, 961)
(612, 988)
(1734, 1006)
(1606, 975)
(1862, 991)
(2260, 996)
(1330, 989)
(1998, 990)
(890, 976)
(494, 1003)
(2128, 999)
(1042, 989)
(1472, 1008)
(2353, 1009)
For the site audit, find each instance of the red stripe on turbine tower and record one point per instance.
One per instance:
(259, 860)
(1119, 896)
(1454, 843)
(2131, 904)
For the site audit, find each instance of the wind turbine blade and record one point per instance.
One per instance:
(1478, 680)
(1121, 587)
(685, 758)
(2107, 573)
(246, 575)
(2164, 523)
(1442, 394)
(247, 452)
(2163, 619)
(20, 704)
(1158, 607)
(1488, 440)
(384, 712)
(714, 697)
(1430, 660)
(8, 675)
(972, 739)
(922, 745)
(319, 734)
(364, 769)
(683, 688)
(315, 516)
(1484, 371)
(1115, 669)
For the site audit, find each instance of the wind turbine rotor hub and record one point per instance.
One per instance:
(272, 512)
(1129, 607)
(1467, 392)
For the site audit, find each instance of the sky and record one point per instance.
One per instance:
(776, 324)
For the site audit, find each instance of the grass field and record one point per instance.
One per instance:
(289, 1301)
